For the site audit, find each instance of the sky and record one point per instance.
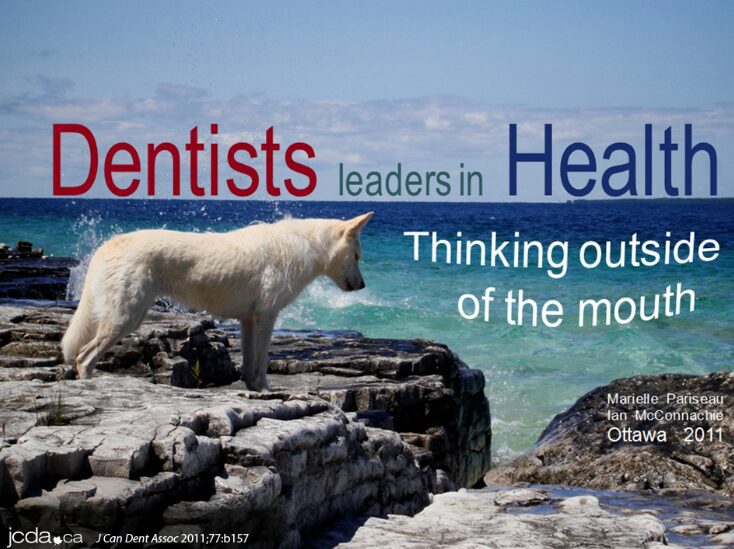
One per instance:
(431, 85)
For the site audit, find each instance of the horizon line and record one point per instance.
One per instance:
(296, 201)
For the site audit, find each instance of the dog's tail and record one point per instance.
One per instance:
(81, 329)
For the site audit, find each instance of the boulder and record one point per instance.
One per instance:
(578, 448)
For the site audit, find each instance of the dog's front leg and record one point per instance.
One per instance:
(248, 370)
(264, 324)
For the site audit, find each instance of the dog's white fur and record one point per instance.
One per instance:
(249, 274)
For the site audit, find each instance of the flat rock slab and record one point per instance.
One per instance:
(547, 517)
(486, 518)
(576, 450)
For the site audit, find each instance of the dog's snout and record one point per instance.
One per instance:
(351, 287)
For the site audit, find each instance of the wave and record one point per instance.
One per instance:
(325, 293)
(322, 298)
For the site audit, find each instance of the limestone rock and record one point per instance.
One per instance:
(155, 458)
(353, 426)
(428, 395)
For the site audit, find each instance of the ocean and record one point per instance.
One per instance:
(532, 373)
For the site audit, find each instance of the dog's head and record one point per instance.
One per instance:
(343, 266)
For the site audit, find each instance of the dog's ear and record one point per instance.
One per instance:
(355, 224)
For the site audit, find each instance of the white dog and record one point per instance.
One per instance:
(249, 274)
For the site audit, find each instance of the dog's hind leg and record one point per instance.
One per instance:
(263, 333)
(93, 351)
(248, 370)
(110, 331)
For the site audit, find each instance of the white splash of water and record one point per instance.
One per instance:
(90, 236)
(324, 293)
(296, 314)
(277, 214)
(319, 295)
(502, 453)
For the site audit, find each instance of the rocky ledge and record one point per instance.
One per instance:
(25, 273)
(577, 448)
(352, 426)
(117, 455)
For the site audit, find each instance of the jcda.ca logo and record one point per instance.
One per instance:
(41, 537)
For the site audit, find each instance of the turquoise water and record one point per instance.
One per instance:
(532, 372)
